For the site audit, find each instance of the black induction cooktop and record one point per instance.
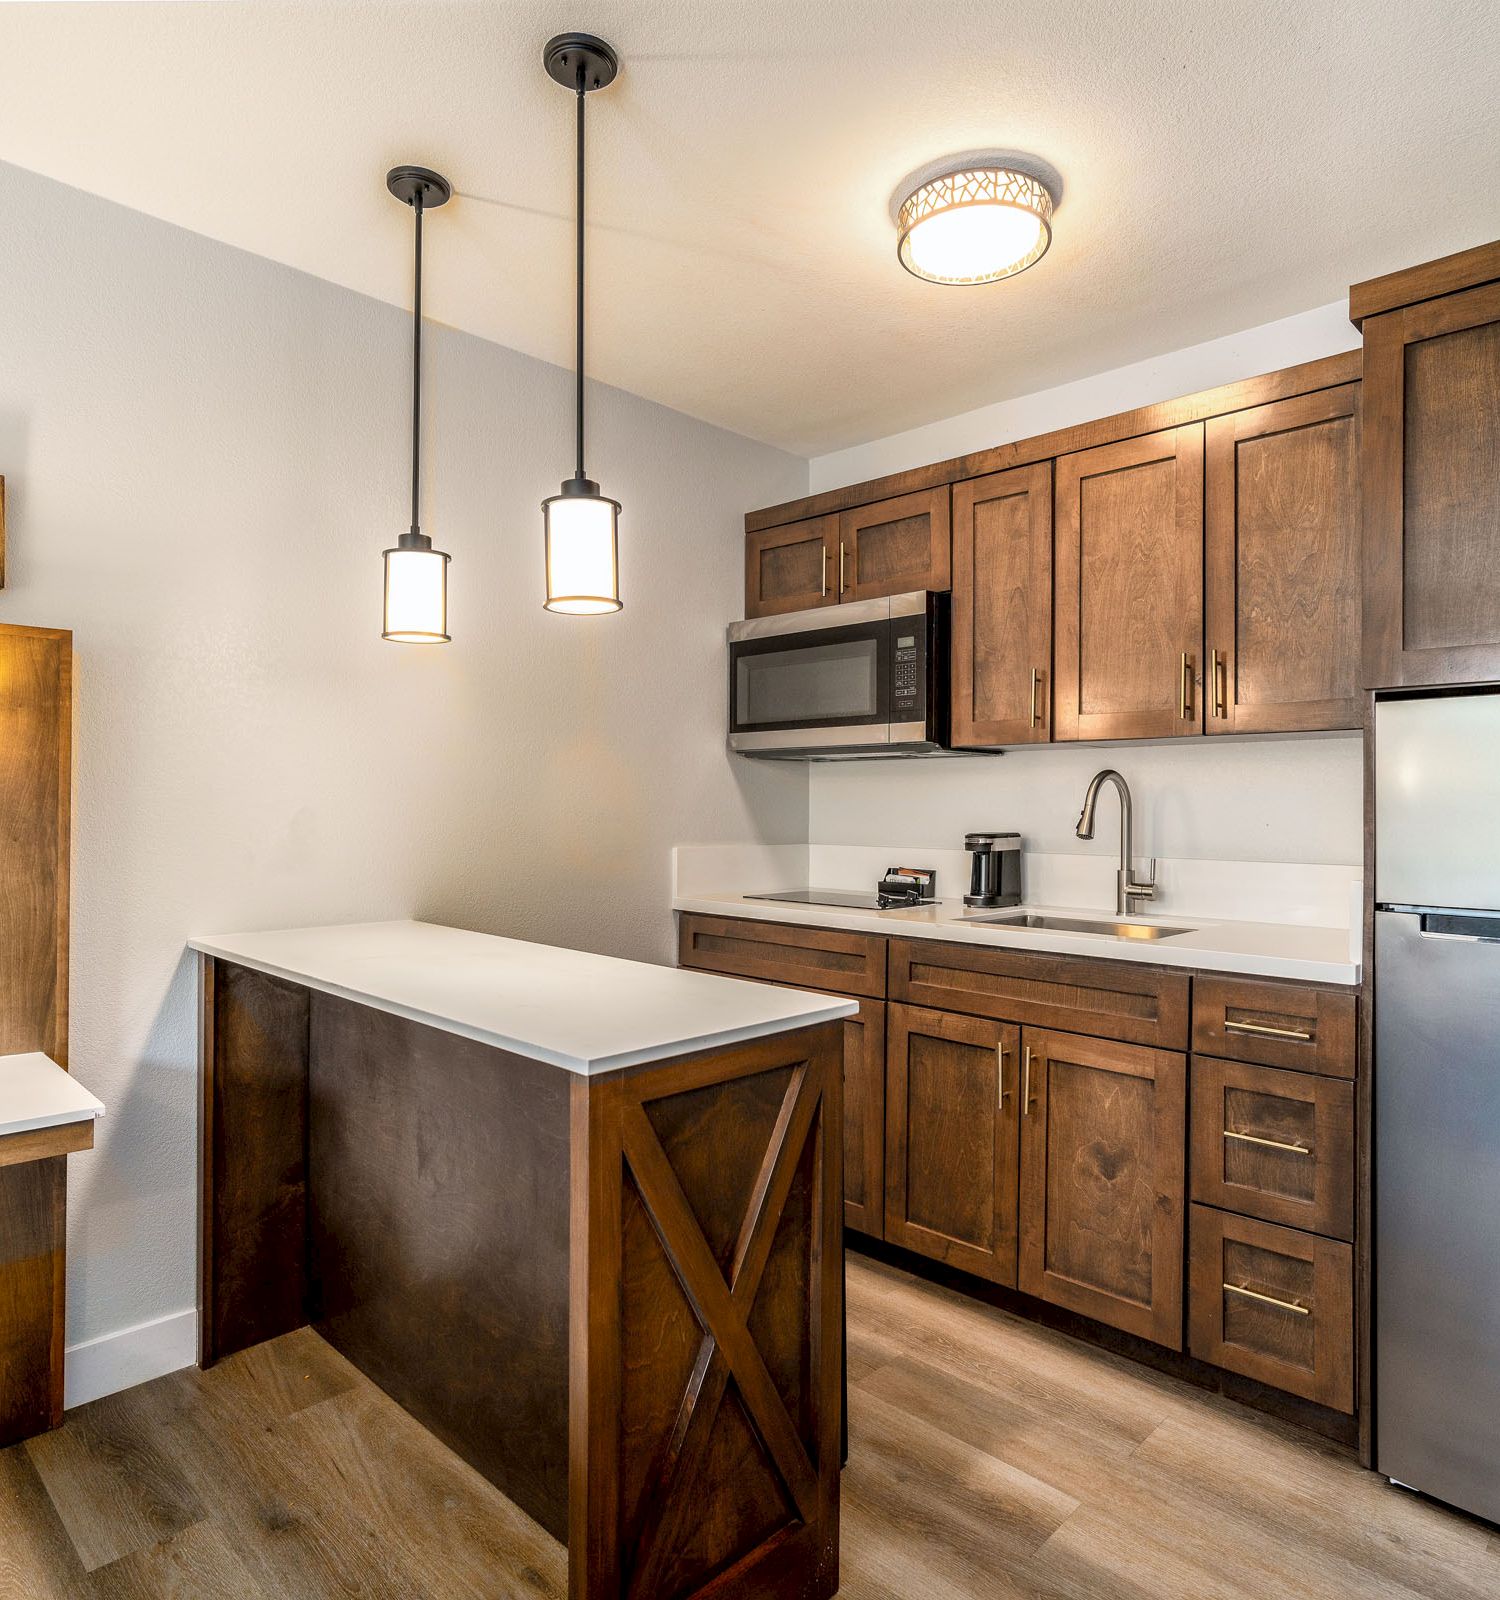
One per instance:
(825, 897)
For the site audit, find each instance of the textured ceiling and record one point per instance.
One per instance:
(1223, 164)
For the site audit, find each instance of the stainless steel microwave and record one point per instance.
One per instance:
(865, 679)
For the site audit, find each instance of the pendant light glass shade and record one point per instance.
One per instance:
(583, 555)
(416, 595)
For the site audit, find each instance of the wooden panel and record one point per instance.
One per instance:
(807, 958)
(1275, 1145)
(1463, 270)
(951, 1131)
(790, 568)
(36, 731)
(1129, 591)
(1305, 378)
(1276, 1024)
(1274, 1304)
(36, 1144)
(1283, 566)
(33, 1205)
(1002, 608)
(707, 1273)
(1111, 999)
(254, 1146)
(1431, 463)
(895, 546)
(439, 1237)
(864, 1119)
(1103, 1130)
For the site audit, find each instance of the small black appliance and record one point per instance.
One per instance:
(995, 874)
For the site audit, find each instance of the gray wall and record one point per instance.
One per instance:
(205, 455)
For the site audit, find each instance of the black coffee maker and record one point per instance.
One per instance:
(995, 875)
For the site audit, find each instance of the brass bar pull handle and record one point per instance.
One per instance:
(823, 592)
(1268, 1299)
(1000, 1070)
(1026, 1080)
(841, 566)
(1264, 1028)
(1187, 686)
(1036, 715)
(1220, 673)
(1270, 1144)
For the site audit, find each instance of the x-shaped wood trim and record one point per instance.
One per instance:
(723, 1312)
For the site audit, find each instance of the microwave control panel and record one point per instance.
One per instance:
(908, 670)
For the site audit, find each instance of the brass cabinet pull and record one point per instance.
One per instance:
(1270, 1144)
(1268, 1299)
(1265, 1028)
(1036, 679)
(823, 592)
(841, 566)
(1187, 686)
(1026, 1080)
(1000, 1070)
(1219, 671)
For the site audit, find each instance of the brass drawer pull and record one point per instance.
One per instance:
(841, 566)
(1301, 1035)
(1186, 686)
(1268, 1299)
(1000, 1070)
(1270, 1144)
(823, 592)
(1036, 715)
(1026, 1080)
(1219, 672)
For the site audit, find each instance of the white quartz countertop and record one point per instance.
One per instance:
(1268, 950)
(585, 1013)
(36, 1093)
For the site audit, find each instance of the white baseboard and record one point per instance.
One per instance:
(116, 1361)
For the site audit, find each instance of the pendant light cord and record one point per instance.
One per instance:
(416, 375)
(581, 95)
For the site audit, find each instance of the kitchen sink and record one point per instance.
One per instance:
(1110, 927)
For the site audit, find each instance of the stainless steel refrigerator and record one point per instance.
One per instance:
(1437, 1097)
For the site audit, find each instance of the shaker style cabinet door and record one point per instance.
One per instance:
(1002, 608)
(895, 546)
(952, 1085)
(1103, 1129)
(791, 568)
(1129, 598)
(1282, 559)
(1431, 455)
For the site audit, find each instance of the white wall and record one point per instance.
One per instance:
(1263, 799)
(205, 454)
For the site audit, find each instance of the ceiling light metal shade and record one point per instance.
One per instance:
(416, 575)
(581, 525)
(975, 224)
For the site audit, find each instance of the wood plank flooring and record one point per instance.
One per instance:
(989, 1459)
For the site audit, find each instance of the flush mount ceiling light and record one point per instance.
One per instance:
(973, 222)
(416, 575)
(582, 545)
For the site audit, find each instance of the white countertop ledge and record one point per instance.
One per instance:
(1262, 949)
(36, 1093)
(585, 1013)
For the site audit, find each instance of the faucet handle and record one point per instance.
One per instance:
(1142, 888)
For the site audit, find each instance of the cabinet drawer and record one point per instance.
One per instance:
(1276, 1024)
(805, 958)
(1275, 1145)
(1110, 1000)
(1274, 1304)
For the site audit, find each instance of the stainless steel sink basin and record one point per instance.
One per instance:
(1109, 927)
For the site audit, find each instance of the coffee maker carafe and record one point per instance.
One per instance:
(995, 874)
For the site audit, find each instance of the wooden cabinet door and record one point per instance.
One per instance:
(864, 1118)
(1281, 556)
(895, 546)
(950, 1119)
(1103, 1134)
(1002, 608)
(1431, 455)
(1128, 623)
(791, 568)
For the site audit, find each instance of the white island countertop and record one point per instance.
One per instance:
(36, 1093)
(582, 1012)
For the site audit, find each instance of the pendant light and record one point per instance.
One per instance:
(416, 575)
(582, 546)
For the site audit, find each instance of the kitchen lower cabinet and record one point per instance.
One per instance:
(952, 1092)
(864, 1119)
(1274, 1304)
(1103, 1180)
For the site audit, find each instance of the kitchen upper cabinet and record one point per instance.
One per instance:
(952, 1087)
(1282, 562)
(1103, 1177)
(792, 568)
(1129, 588)
(1002, 608)
(895, 546)
(864, 1118)
(1431, 456)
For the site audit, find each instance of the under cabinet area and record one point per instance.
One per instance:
(1165, 1152)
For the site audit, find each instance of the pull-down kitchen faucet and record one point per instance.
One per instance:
(1127, 889)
